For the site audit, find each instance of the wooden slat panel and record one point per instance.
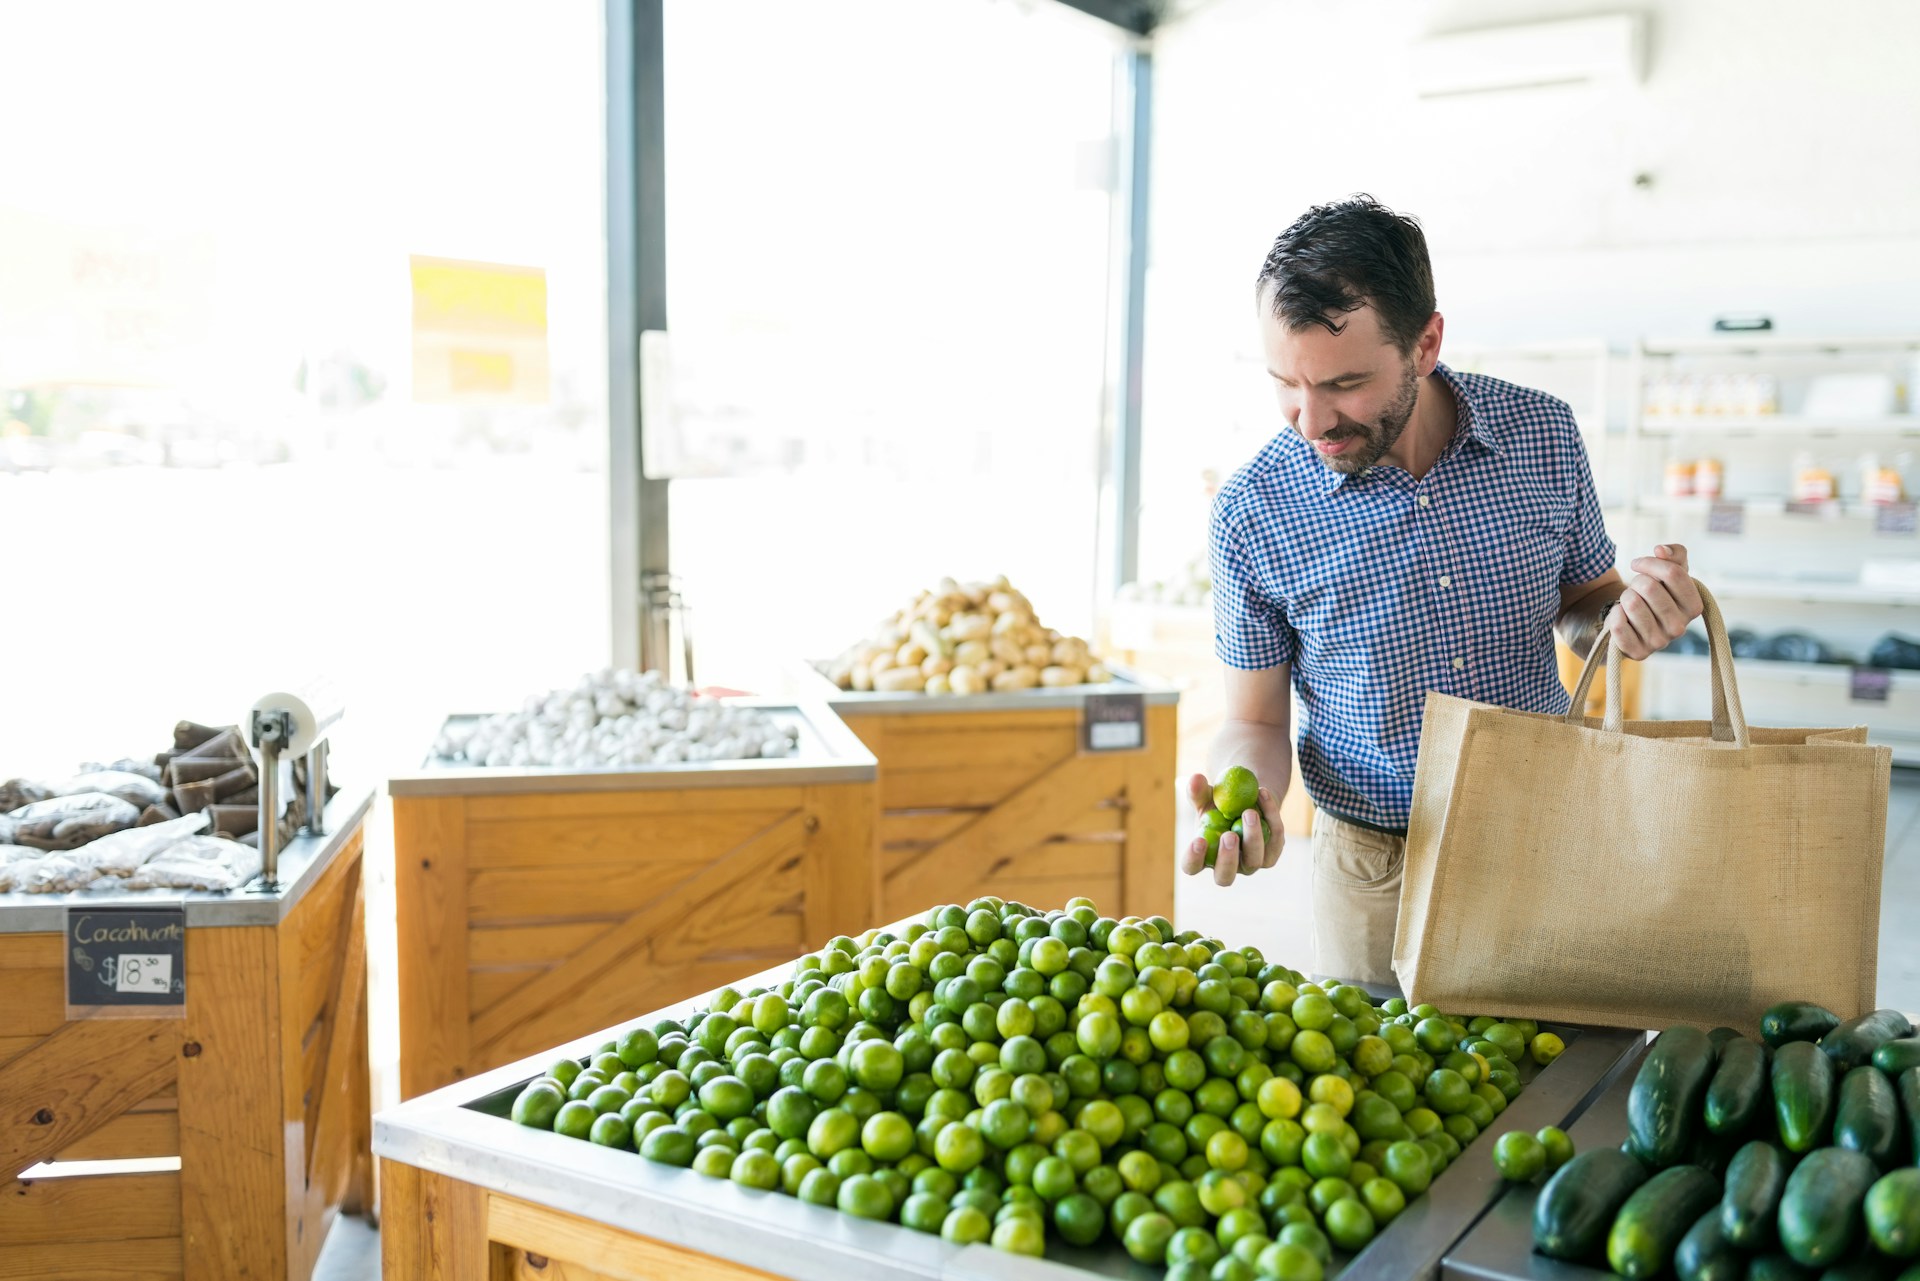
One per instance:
(430, 901)
(519, 894)
(603, 1252)
(164, 1099)
(663, 843)
(312, 939)
(432, 1228)
(152, 1259)
(104, 1207)
(984, 851)
(920, 828)
(1090, 858)
(532, 944)
(841, 874)
(1152, 793)
(905, 725)
(663, 914)
(135, 1134)
(12, 1047)
(963, 747)
(487, 988)
(77, 1080)
(978, 788)
(33, 1002)
(31, 952)
(673, 800)
(234, 1210)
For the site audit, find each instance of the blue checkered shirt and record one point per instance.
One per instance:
(1378, 588)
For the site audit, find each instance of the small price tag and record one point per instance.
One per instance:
(1896, 520)
(126, 960)
(1113, 723)
(133, 972)
(1820, 508)
(1727, 518)
(1869, 684)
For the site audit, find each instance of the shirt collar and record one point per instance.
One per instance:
(1474, 424)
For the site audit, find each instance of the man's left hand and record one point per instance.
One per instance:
(1659, 602)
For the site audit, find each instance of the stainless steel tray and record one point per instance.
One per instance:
(828, 753)
(462, 1132)
(1500, 1246)
(817, 685)
(302, 862)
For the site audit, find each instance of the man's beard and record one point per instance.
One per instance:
(1376, 438)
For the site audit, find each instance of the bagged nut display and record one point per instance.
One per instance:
(966, 639)
(187, 819)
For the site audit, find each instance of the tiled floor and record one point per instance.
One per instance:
(1272, 911)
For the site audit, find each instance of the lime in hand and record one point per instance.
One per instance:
(1237, 792)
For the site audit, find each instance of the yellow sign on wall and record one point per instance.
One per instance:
(479, 333)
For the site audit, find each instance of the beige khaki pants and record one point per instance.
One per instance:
(1356, 899)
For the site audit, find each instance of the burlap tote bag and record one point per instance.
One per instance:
(1641, 874)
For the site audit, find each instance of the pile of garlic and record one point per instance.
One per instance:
(966, 639)
(618, 717)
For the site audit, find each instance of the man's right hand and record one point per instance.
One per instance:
(1239, 855)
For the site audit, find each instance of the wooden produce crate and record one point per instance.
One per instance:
(218, 1145)
(994, 794)
(532, 903)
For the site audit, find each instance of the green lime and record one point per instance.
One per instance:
(966, 1225)
(1053, 1178)
(1463, 1129)
(1080, 1218)
(756, 1168)
(611, 1130)
(1447, 1092)
(1409, 1167)
(1078, 1149)
(865, 1197)
(1220, 1193)
(575, 1119)
(924, 1212)
(1558, 1146)
(1289, 1261)
(1519, 1156)
(825, 1080)
(1146, 1237)
(538, 1105)
(1313, 1013)
(726, 1097)
(1021, 1234)
(1349, 1224)
(714, 1160)
(1325, 1157)
(877, 1066)
(1236, 792)
(820, 1187)
(1179, 1200)
(1435, 1036)
(887, 1137)
(959, 1148)
(669, 1145)
(1313, 1052)
(833, 1130)
(1193, 1245)
(794, 1169)
(1545, 1049)
(1384, 1199)
(790, 1111)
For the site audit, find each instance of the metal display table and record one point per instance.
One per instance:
(466, 1189)
(1500, 1246)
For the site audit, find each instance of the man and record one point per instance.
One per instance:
(1414, 529)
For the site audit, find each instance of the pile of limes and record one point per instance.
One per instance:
(994, 1074)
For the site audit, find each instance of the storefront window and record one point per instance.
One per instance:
(890, 284)
(302, 366)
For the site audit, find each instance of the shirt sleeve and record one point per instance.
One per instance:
(1590, 552)
(1250, 628)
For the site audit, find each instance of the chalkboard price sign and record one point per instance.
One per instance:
(126, 956)
(1113, 723)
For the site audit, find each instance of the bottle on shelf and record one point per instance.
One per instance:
(1709, 478)
(1812, 483)
(1680, 478)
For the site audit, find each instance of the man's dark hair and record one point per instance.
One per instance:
(1337, 258)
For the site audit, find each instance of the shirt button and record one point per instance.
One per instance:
(1459, 663)
(1446, 580)
(1424, 500)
